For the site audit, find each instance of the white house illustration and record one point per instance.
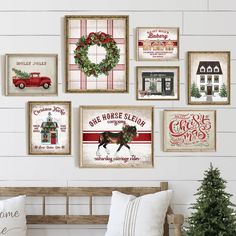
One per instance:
(209, 77)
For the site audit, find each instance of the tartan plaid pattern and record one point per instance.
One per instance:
(116, 79)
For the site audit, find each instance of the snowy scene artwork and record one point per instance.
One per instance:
(209, 78)
(49, 128)
(118, 136)
(157, 83)
(189, 131)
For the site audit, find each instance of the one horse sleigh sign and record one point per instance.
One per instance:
(116, 136)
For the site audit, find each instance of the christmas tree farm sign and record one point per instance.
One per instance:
(49, 128)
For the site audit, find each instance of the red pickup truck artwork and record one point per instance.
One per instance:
(32, 80)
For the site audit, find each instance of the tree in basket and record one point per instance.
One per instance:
(213, 213)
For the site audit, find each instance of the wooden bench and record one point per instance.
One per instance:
(171, 219)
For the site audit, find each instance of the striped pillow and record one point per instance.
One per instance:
(138, 216)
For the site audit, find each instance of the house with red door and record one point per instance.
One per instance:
(49, 131)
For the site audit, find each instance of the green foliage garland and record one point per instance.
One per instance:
(107, 64)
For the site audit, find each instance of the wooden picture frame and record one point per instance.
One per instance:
(77, 79)
(157, 43)
(49, 128)
(189, 130)
(209, 78)
(157, 83)
(102, 126)
(31, 74)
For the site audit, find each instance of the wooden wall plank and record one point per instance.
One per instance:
(218, 5)
(209, 23)
(20, 144)
(36, 23)
(183, 99)
(225, 120)
(65, 168)
(207, 43)
(103, 5)
(117, 99)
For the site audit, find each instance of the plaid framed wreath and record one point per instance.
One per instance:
(107, 64)
(92, 67)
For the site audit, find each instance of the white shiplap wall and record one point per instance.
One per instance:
(37, 26)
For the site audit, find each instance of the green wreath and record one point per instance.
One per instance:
(107, 64)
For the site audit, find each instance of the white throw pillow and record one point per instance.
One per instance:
(12, 217)
(138, 216)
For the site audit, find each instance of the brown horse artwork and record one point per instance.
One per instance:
(122, 138)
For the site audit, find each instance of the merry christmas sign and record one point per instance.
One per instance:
(157, 43)
(116, 136)
(49, 128)
(189, 131)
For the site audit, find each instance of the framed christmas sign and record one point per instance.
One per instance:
(209, 78)
(31, 75)
(118, 136)
(157, 43)
(97, 55)
(157, 83)
(189, 131)
(49, 128)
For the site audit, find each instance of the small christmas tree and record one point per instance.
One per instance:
(223, 91)
(195, 91)
(21, 74)
(153, 87)
(213, 213)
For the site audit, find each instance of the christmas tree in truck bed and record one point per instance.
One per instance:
(23, 79)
